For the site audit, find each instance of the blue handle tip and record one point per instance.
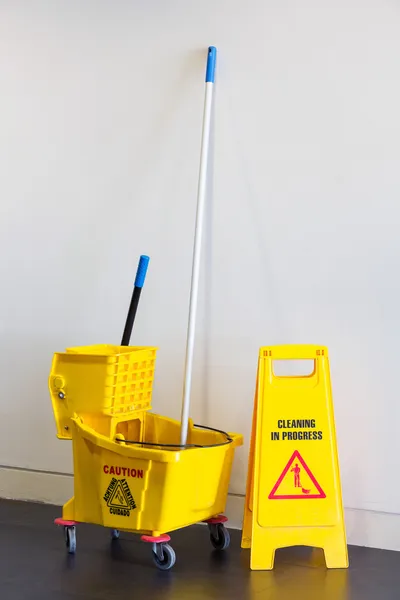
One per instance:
(211, 60)
(141, 271)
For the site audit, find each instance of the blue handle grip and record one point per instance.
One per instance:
(141, 271)
(211, 60)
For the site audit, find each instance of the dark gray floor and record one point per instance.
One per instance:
(35, 566)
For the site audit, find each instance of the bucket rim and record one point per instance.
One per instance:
(174, 447)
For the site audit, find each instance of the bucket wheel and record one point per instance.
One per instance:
(69, 534)
(164, 556)
(219, 534)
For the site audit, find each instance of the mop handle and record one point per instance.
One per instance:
(137, 290)
(194, 287)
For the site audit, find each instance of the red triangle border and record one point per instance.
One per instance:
(273, 496)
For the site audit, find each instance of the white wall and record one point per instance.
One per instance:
(100, 119)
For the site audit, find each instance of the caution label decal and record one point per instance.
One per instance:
(119, 498)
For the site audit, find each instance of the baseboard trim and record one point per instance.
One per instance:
(364, 527)
(35, 486)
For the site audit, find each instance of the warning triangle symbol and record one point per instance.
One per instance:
(118, 498)
(296, 482)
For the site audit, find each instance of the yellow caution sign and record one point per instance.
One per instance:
(293, 494)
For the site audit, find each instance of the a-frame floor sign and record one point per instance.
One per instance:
(293, 494)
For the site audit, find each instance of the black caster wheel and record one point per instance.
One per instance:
(70, 539)
(115, 533)
(219, 536)
(164, 556)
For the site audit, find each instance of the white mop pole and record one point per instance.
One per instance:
(194, 287)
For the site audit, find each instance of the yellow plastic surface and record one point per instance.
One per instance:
(103, 383)
(148, 489)
(293, 494)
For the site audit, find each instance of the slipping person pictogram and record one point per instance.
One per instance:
(291, 487)
(297, 484)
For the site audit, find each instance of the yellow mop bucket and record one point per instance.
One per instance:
(149, 487)
(130, 471)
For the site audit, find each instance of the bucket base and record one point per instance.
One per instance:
(216, 520)
(65, 523)
(160, 539)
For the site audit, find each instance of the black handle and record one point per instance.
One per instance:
(137, 290)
